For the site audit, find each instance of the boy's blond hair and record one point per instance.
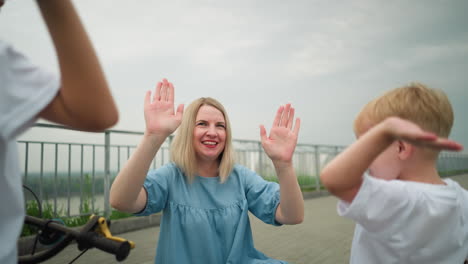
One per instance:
(429, 108)
(182, 150)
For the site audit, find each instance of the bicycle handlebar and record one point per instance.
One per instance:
(94, 233)
(90, 239)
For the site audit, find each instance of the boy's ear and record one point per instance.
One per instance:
(405, 150)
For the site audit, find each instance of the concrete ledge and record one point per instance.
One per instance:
(310, 195)
(120, 226)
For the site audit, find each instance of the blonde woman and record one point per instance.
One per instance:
(204, 196)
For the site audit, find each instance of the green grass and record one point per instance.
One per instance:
(32, 209)
(311, 188)
(306, 182)
(118, 215)
(452, 173)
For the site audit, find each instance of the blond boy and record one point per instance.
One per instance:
(388, 183)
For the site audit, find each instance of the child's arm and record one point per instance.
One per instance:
(127, 193)
(279, 146)
(84, 100)
(343, 175)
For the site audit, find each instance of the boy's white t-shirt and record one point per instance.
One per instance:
(24, 91)
(408, 222)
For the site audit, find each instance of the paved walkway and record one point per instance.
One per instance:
(323, 238)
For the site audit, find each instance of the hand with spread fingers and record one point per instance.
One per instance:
(281, 142)
(279, 146)
(160, 117)
(127, 192)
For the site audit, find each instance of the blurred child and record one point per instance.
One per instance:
(81, 99)
(389, 184)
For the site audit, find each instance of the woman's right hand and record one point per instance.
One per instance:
(159, 113)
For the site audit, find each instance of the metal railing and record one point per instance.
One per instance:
(74, 178)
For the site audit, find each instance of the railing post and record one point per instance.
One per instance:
(55, 179)
(81, 180)
(317, 168)
(163, 161)
(69, 179)
(118, 158)
(26, 159)
(41, 197)
(260, 159)
(93, 180)
(107, 176)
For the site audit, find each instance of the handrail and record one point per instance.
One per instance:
(309, 159)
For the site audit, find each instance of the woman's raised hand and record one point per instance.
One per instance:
(281, 142)
(159, 112)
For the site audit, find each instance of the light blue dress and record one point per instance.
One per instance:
(206, 221)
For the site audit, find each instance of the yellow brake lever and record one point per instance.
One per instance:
(103, 229)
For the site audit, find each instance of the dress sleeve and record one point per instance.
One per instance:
(157, 189)
(380, 206)
(263, 197)
(25, 90)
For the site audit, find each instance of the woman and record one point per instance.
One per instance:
(204, 197)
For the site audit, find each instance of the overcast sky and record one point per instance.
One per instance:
(328, 58)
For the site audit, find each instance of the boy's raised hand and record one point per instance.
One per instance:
(159, 113)
(400, 129)
(281, 142)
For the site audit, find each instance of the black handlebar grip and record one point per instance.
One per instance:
(91, 239)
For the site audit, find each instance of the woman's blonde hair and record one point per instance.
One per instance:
(182, 150)
(426, 107)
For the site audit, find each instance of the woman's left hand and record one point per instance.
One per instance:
(281, 142)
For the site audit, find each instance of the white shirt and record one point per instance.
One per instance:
(408, 222)
(24, 91)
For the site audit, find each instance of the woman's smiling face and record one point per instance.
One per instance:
(209, 134)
